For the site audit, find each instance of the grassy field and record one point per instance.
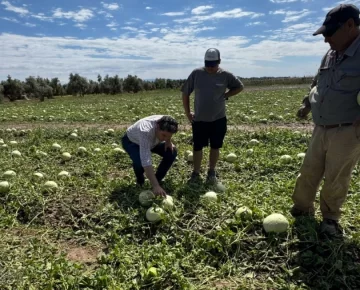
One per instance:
(91, 233)
(251, 107)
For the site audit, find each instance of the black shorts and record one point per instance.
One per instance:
(203, 132)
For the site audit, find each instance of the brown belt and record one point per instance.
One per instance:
(335, 126)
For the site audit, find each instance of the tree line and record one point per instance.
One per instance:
(42, 88)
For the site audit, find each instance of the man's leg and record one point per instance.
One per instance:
(214, 157)
(217, 136)
(134, 152)
(197, 158)
(168, 158)
(342, 155)
(200, 139)
(311, 174)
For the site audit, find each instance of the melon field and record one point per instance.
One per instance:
(74, 220)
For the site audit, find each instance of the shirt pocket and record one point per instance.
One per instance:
(348, 80)
(323, 80)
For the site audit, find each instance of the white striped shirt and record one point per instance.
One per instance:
(142, 133)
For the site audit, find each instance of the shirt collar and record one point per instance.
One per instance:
(350, 51)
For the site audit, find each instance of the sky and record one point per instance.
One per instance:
(160, 38)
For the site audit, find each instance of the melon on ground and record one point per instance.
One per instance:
(243, 213)
(146, 197)
(276, 223)
(154, 214)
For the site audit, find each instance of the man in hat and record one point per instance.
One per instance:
(151, 135)
(212, 86)
(334, 148)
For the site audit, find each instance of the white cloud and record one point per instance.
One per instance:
(296, 31)
(42, 17)
(291, 16)
(255, 23)
(355, 2)
(10, 7)
(148, 8)
(29, 24)
(173, 13)
(14, 20)
(110, 6)
(149, 23)
(282, 1)
(288, 1)
(80, 25)
(77, 16)
(11, 19)
(112, 24)
(106, 14)
(228, 14)
(129, 28)
(151, 57)
(201, 9)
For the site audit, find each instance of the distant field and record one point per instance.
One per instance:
(249, 107)
(91, 233)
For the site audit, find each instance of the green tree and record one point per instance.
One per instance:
(13, 89)
(149, 86)
(56, 87)
(32, 88)
(1, 92)
(160, 84)
(133, 84)
(116, 85)
(77, 85)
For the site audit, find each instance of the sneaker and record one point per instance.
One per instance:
(195, 177)
(211, 177)
(330, 228)
(295, 212)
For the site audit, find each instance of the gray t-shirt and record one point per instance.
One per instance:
(209, 101)
(336, 86)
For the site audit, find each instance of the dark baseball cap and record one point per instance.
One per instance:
(336, 17)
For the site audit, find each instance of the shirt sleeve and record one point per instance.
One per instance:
(306, 100)
(145, 149)
(234, 82)
(188, 86)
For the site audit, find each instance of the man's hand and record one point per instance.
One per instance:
(190, 116)
(158, 190)
(169, 145)
(303, 112)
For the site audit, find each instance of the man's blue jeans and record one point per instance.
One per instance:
(168, 158)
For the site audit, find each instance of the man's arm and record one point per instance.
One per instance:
(306, 101)
(146, 162)
(235, 86)
(187, 89)
(233, 92)
(306, 105)
(150, 174)
(186, 105)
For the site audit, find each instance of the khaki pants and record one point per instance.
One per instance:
(332, 153)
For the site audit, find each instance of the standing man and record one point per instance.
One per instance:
(209, 123)
(334, 148)
(151, 134)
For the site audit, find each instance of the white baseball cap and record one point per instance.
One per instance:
(212, 57)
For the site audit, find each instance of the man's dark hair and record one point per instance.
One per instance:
(168, 123)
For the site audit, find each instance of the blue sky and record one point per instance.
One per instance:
(160, 38)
